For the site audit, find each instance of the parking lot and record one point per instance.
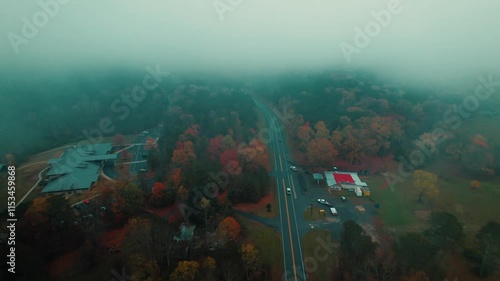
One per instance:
(347, 210)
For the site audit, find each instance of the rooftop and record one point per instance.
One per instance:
(78, 178)
(318, 176)
(185, 233)
(77, 168)
(333, 178)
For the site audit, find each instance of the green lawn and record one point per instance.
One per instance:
(396, 206)
(316, 215)
(473, 207)
(25, 179)
(319, 262)
(261, 124)
(267, 240)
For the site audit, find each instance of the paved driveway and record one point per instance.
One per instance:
(346, 210)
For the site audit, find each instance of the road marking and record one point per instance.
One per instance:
(298, 235)
(293, 187)
(281, 220)
(289, 231)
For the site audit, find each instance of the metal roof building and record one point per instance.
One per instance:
(346, 180)
(78, 168)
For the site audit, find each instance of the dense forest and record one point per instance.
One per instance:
(358, 115)
(210, 128)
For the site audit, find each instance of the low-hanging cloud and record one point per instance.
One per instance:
(425, 39)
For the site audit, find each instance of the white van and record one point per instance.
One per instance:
(334, 211)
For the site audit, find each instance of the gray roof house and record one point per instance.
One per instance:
(78, 168)
(186, 233)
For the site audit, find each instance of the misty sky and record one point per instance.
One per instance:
(446, 38)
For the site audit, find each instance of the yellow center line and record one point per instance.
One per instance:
(290, 231)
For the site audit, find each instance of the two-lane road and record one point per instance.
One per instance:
(292, 250)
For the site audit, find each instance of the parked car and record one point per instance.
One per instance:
(293, 168)
(324, 202)
(334, 211)
(143, 170)
(343, 199)
(288, 190)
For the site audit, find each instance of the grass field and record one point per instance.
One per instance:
(261, 124)
(396, 206)
(316, 215)
(473, 207)
(25, 179)
(267, 240)
(319, 262)
(27, 173)
(260, 208)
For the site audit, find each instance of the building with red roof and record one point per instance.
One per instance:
(346, 180)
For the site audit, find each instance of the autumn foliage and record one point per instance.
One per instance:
(158, 192)
(229, 161)
(185, 271)
(475, 184)
(36, 214)
(150, 143)
(214, 147)
(425, 183)
(184, 154)
(321, 151)
(253, 155)
(176, 177)
(228, 230)
(252, 261)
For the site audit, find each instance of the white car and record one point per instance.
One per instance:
(334, 211)
(293, 168)
(324, 202)
(288, 190)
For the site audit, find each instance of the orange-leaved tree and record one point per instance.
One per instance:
(228, 229)
(184, 154)
(321, 151)
(475, 184)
